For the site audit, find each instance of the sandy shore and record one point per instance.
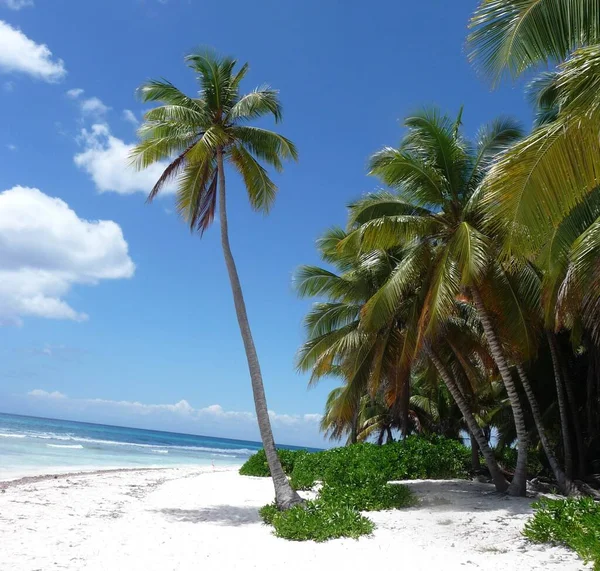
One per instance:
(190, 519)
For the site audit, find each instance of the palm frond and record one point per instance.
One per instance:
(258, 103)
(510, 36)
(261, 189)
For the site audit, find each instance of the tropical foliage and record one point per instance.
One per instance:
(574, 523)
(464, 299)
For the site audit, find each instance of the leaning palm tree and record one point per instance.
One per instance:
(197, 135)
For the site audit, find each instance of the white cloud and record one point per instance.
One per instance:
(183, 416)
(45, 394)
(16, 4)
(46, 248)
(11, 147)
(93, 106)
(129, 116)
(20, 54)
(107, 160)
(74, 93)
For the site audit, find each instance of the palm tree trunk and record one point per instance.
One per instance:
(590, 393)
(354, 427)
(390, 436)
(581, 463)
(562, 408)
(475, 463)
(497, 476)
(518, 486)
(285, 496)
(565, 484)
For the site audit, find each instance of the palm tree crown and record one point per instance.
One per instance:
(187, 132)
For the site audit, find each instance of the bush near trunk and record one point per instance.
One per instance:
(354, 479)
(574, 523)
(317, 520)
(257, 464)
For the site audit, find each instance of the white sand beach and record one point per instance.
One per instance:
(190, 519)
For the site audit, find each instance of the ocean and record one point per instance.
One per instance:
(31, 446)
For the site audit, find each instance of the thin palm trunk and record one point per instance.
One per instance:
(565, 484)
(390, 437)
(285, 496)
(354, 426)
(497, 476)
(590, 393)
(572, 402)
(475, 463)
(518, 486)
(562, 407)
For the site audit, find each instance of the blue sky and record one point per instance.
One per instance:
(100, 320)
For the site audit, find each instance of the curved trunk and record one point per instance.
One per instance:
(497, 476)
(562, 407)
(518, 486)
(285, 496)
(565, 484)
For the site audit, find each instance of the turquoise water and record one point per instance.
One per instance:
(30, 445)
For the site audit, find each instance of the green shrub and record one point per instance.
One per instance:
(413, 458)
(574, 523)
(267, 513)
(257, 464)
(375, 495)
(507, 457)
(318, 521)
(355, 478)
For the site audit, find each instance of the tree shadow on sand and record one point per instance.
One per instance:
(222, 515)
(465, 496)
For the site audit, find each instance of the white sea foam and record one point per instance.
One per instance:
(156, 451)
(235, 452)
(73, 446)
(6, 435)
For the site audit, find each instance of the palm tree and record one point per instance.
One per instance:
(544, 190)
(376, 362)
(435, 218)
(544, 194)
(197, 135)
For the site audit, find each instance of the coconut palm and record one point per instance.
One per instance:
(435, 217)
(375, 360)
(197, 136)
(552, 175)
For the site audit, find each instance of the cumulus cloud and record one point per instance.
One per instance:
(94, 106)
(19, 54)
(75, 92)
(46, 249)
(17, 4)
(182, 415)
(106, 159)
(129, 116)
